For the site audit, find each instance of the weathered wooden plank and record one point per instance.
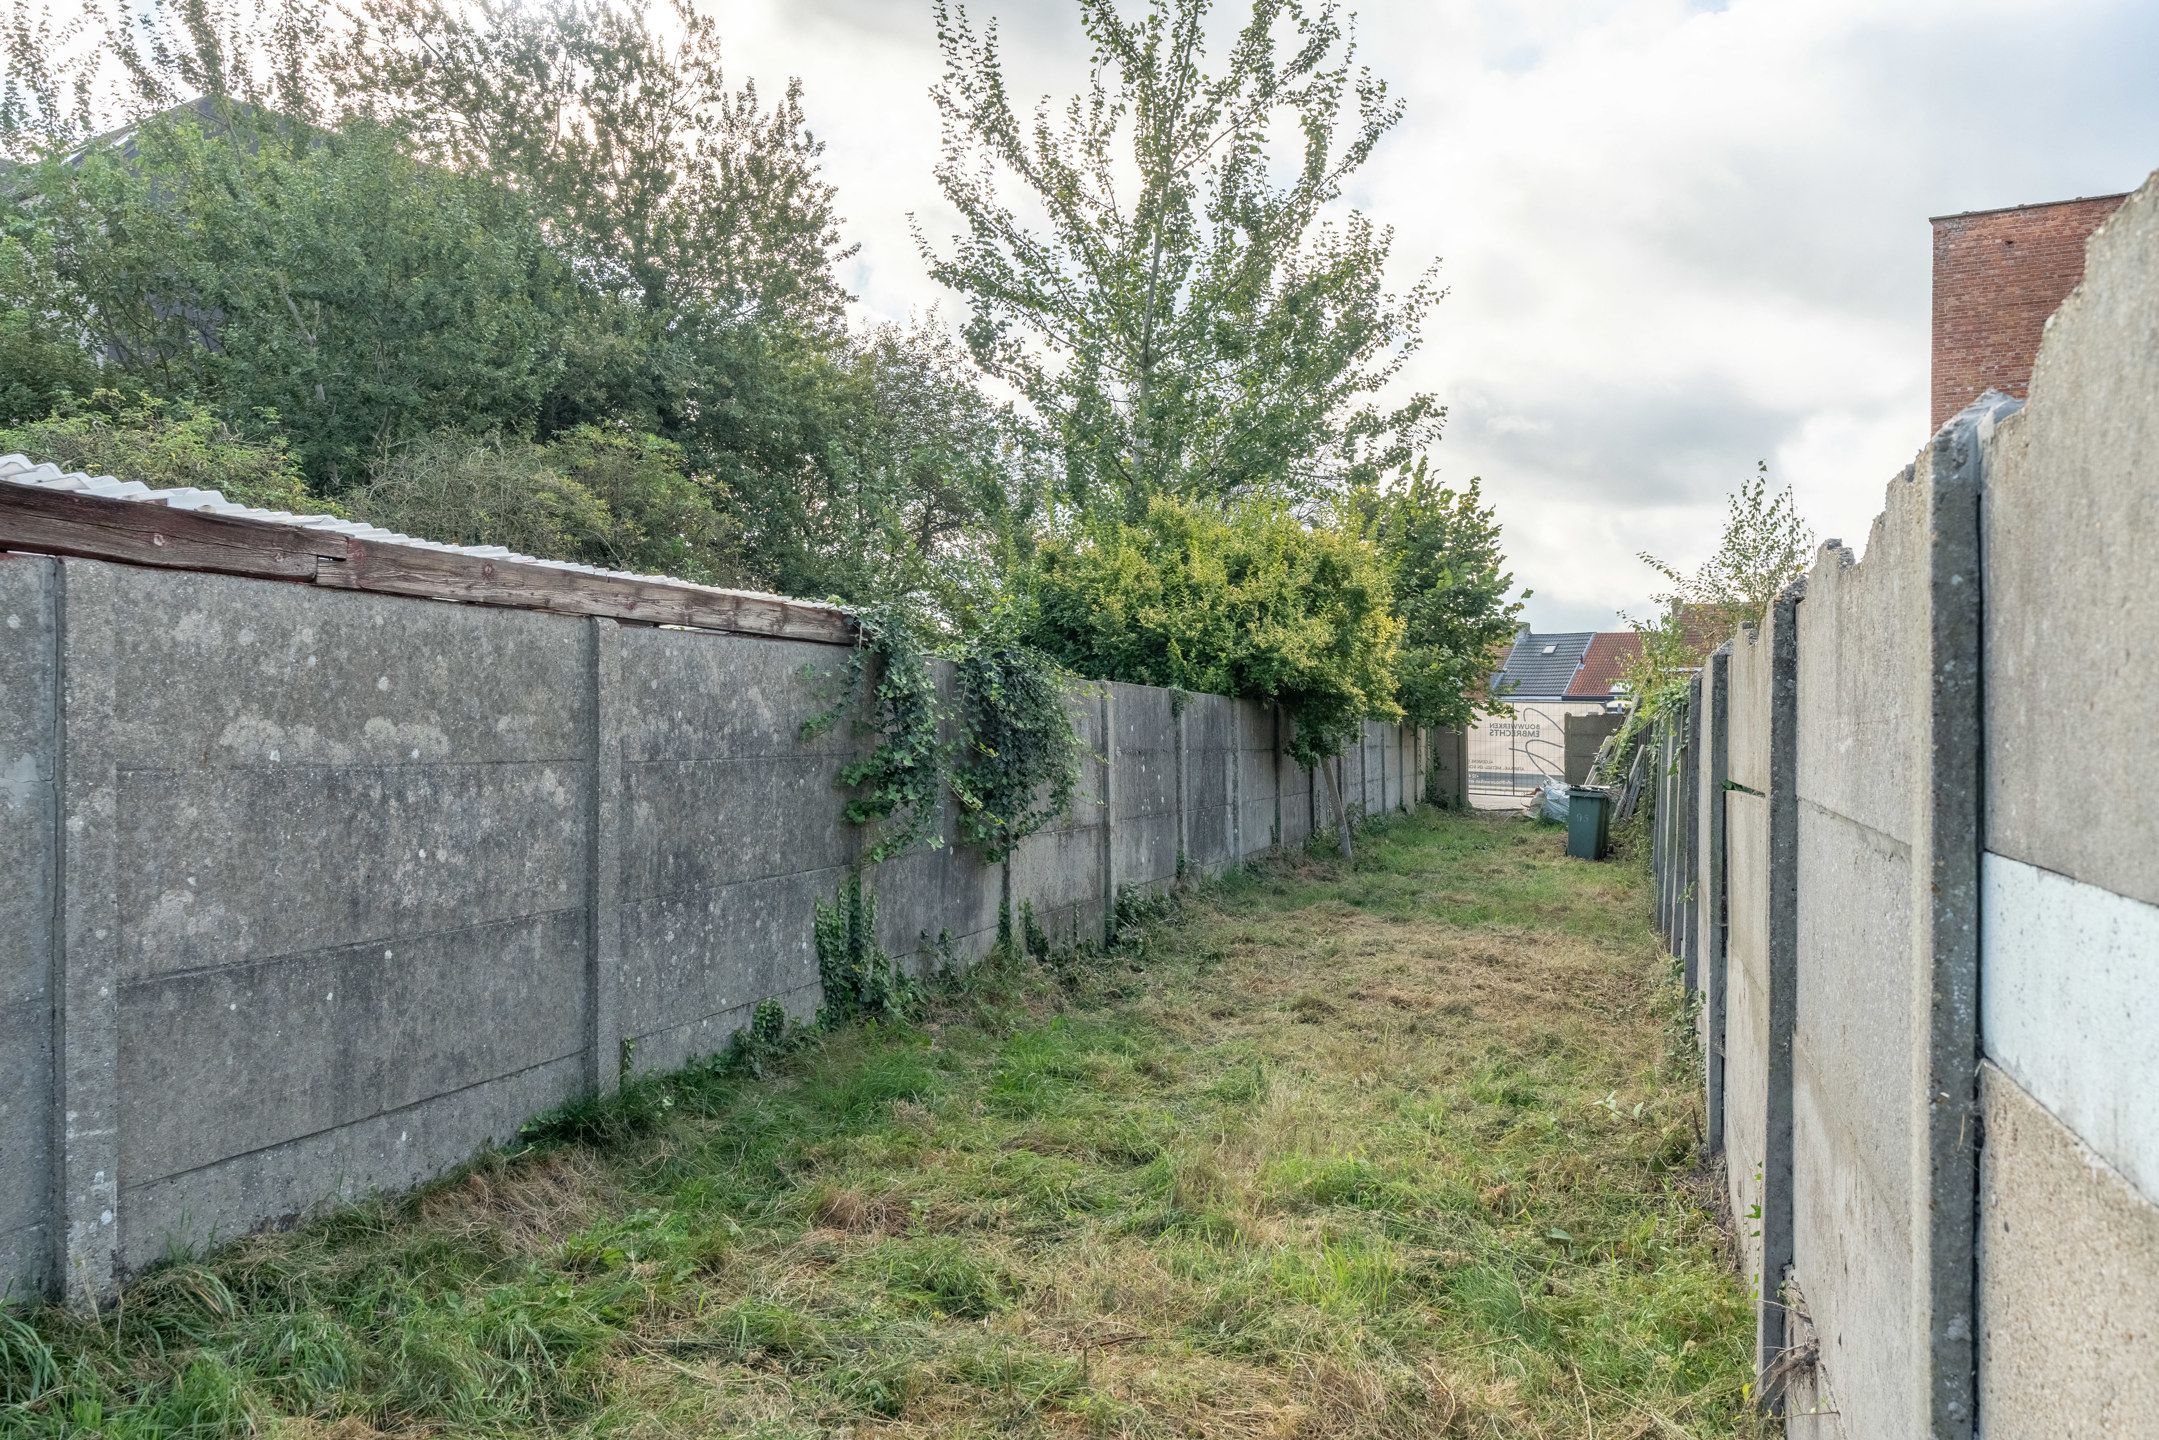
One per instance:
(137, 532)
(55, 522)
(478, 580)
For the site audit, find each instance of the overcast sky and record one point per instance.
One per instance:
(1679, 237)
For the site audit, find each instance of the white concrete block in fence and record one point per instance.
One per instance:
(2069, 1006)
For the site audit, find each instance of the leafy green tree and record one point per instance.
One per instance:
(1241, 599)
(1182, 320)
(45, 361)
(456, 245)
(112, 64)
(231, 260)
(867, 467)
(1764, 546)
(672, 188)
(1451, 589)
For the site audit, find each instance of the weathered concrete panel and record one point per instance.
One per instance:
(1746, 1021)
(696, 824)
(1853, 1134)
(1058, 870)
(1748, 760)
(2069, 987)
(936, 905)
(236, 672)
(28, 715)
(2068, 1282)
(226, 866)
(1207, 834)
(731, 833)
(1256, 778)
(1861, 641)
(726, 697)
(1145, 786)
(391, 1151)
(1146, 753)
(966, 925)
(302, 1044)
(2070, 605)
(1209, 735)
(710, 952)
(1711, 897)
(1059, 873)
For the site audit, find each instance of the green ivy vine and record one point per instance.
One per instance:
(1011, 761)
(859, 978)
(1018, 758)
(890, 686)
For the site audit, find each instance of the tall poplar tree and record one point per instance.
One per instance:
(1161, 267)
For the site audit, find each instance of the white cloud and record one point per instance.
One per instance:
(1679, 237)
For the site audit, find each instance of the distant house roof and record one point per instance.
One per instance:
(1603, 664)
(1540, 667)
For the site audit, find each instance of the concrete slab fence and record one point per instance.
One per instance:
(317, 892)
(1924, 929)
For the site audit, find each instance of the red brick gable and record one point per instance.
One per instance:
(1998, 275)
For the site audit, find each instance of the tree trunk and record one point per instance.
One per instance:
(1332, 770)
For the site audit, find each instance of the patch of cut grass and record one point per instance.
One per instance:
(1400, 1150)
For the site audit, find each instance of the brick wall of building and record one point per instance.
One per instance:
(1998, 275)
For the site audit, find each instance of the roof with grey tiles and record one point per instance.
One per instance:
(1540, 667)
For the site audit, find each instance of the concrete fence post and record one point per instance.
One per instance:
(1674, 858)
(1666, 802)
(1678, 945)
(1690, 836)
(86, 1037)
(1233, 782)
(1716, 774)
(1660, 835)
(1947, 842)
(1783, 958)
(1106, 715)
(603, 881)
(1274, 715)
(1381, 747)
(1178, 709)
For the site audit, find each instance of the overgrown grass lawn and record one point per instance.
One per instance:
(1403, 1151)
